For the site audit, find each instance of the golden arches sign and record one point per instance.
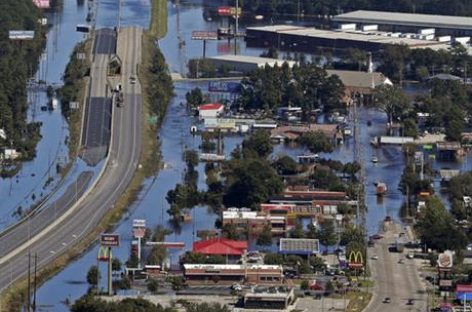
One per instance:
(356, 259)
(104, 254)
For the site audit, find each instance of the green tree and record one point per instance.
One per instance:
(152, 285)
(257, 145)
(327, 233)
(392, 100)
(93, 275)
(230, 231)
(286, 165)
(273, 258)
(437, 229)
(350, 234)
(265, 237)
(304, 285)
(194, 97)
(157, 255)
(297, 231)
(410, 128)
(316, 142)
(133, 261)
(116, 265)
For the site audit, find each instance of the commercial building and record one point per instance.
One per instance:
(299, 246)
(269, 298)
(254, 222)
(233, 273)
(245, 63)
(306, 39)
(221, 247)
(409, 22)
(211, 110)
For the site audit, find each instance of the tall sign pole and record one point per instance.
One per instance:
(107, 241)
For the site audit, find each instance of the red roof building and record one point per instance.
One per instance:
(220, 246)
(211, 110)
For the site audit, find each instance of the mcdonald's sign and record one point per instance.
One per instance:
(356, 260)
(104, 254)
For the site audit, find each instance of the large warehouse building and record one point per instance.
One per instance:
(409, 22)
(307, 39)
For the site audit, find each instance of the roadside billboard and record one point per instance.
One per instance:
(224, 86)
(110, 240)
(228, 11)
(139, 223)
(204, 35)
(21, 35)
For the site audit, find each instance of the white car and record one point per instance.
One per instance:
(375, 257)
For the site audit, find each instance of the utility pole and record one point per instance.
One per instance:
(236, 28)
(28, 302)
(35, 281)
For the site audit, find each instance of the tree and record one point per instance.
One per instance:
(230, 231)
(304, 285)
(250, 182)
(273, 258)
(437, 229)
(133, 261)
(454, 123)
(410, 128)
(297, 231)
(265, 237)
(316, 142)
(350, 234)
(258, 144)
(93, 275)
(194, 97)
(392, 100)
(157, 255)
(116, 265)
(317, 263)
(152, 285)
(286, 165)
(327, 233)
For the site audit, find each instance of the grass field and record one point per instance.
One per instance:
(158, 24)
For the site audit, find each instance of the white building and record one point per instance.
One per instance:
(245, 63)
(211, 110)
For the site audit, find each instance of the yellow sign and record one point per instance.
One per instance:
(104, 253)
(356, 259)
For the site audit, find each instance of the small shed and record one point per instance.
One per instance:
(211, 110)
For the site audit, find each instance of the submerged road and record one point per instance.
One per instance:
(396, 280)
(82, 218)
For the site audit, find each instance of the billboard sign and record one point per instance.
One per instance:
(204, 35)
(445, 259)
(21, 35)
(228, 11)
(224, 86)
(139, 223)
(110, 240)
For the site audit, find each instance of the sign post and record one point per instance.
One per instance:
(107, 241)
(139, 231)
(204, 35)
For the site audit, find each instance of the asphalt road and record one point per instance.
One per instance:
(399, 282)
(125, 148)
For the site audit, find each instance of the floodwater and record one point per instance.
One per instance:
(175, 137)
(29, 185)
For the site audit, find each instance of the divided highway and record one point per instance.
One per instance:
(123, 157)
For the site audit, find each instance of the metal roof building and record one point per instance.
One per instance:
(456, 24)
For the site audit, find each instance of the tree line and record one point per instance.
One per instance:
(18, 62)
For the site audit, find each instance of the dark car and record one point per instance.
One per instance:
(387, 300)
(410, 301)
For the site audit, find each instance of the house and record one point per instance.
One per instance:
(359, 82)
(221, 247)
(291, 133)
(233, 273)
(211, 110)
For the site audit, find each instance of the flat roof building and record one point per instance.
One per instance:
(233, 273)
(299, 246)
(443, 24)
(269, 298)
(246, 63)
(307, 39)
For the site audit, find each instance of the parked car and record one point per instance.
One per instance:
(387, 300)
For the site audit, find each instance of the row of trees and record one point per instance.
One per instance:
(307, 86)
(18, 62)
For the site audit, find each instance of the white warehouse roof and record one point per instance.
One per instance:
(255, 60)
(406, 19)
